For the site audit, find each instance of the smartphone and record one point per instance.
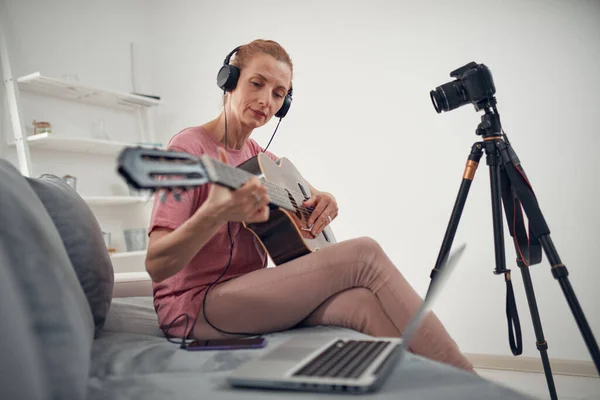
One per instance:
(227, 344)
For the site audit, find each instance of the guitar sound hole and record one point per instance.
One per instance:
(303, 191)
(306, 197)
(298, 213)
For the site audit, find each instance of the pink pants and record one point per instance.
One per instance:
(352, 284)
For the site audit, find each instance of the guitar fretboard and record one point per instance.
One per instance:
(235, 178)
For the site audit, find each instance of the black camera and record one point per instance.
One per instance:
(474, 84)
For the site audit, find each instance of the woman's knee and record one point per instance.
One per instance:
(363, 248)
(370, 255)
(368, 245)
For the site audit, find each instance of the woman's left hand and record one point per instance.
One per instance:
(325, 210)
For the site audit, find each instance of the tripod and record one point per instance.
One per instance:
(509, 184)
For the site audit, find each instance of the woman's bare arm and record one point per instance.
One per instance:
(171, 250)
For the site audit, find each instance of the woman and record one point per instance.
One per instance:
(194, 241)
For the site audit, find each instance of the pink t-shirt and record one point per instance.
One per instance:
(183, 292)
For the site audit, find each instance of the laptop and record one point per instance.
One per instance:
(337, 364)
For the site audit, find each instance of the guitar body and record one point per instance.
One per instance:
(282, 235)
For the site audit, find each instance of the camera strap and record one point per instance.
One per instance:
(528, 248)
(517, 195)
(514, 216)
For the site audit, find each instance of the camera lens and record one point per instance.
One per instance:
(436, 99)
(449, 96)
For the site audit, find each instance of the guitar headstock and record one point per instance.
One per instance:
(154, 169)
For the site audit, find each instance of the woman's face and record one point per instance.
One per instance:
(260, 90)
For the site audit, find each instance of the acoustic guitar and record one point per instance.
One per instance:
(285, 236)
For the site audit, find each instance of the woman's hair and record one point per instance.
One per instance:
(260, 46)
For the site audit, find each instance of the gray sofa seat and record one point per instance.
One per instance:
(132, 359)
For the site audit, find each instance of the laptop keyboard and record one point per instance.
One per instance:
(344, 359)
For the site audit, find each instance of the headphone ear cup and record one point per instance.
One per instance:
(227, 77)
(285, 107)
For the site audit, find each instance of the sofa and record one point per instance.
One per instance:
(64, 335)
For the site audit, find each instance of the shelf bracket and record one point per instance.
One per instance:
(12, 94)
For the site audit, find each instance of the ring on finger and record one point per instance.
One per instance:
(256, 197)
(329, 218)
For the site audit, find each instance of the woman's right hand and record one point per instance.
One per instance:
(249, 203)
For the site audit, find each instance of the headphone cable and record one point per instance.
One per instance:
(272, 136)
(231, 243)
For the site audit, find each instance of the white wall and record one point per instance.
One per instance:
(362, 125)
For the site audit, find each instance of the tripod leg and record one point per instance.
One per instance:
(513, 215)
(541, 343)
(559, 271)
(459, 204)
(493, 162)
(542, 232)
(523, 249)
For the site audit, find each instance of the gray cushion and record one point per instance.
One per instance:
(61, 322)
(21, 372)
(82, 238)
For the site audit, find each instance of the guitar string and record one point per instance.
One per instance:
(277, 187)
(272, 185)
(266, 183)
(305, 211)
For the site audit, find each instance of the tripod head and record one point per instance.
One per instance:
(490, 122)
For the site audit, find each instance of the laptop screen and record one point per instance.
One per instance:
(436, 287)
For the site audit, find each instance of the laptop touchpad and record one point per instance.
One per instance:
(289, 353)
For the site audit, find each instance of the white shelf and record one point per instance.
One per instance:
(51, 141)
(70, 90)
(131, 277)
(128, 254)
(114, 200)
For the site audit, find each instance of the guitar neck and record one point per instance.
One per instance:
(234, 178)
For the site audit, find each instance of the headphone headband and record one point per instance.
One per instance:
(228, 58)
